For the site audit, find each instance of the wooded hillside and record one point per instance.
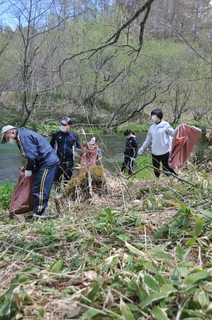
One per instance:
(104, 61)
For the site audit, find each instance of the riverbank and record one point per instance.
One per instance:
(112, 146)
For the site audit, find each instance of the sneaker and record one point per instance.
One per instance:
(43, 216)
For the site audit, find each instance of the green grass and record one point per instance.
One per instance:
(5, 195)
(142, 169)
(113, 258)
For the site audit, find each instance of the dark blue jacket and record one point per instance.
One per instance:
(36, 150)
(65, 144)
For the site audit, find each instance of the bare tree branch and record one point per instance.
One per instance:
(115, 37)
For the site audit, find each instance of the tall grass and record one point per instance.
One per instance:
(5, 195)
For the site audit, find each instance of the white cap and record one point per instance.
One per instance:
(4, 130)
(93, 140)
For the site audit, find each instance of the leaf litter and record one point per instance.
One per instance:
(135, 250)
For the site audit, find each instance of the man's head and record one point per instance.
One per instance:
(8, 133)
(65, 124)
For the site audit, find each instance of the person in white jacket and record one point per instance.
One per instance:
(158, 136)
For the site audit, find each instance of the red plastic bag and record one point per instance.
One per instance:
(22, 198)
(183, 145)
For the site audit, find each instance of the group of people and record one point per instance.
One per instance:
(51, 161)
(47, 162)
(160, 137)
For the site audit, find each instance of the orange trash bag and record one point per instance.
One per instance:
(22, 198)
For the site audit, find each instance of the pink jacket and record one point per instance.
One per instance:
(183, 144)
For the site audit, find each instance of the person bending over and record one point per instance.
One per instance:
(40, 160)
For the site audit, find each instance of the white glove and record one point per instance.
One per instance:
(28, 173)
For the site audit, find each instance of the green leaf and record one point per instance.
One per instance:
(133, 307)
(134, 250)
(190, 242)
(167, 288)
(123, 237)
(186, 253)
(202, 298)
(183, 207)
(41, 312)
(56, 266)
(151, 283)
(161, 256)
(194, 277)
(206, 213)
(179, 252)
(125, 310)
(90, 313)
(20, 278)
(138, 221)
(30, 269)
(7, 310)
(140, 290)
(152, 298)
(159, 314)
(208, 287)
(198, 227)
(94, 291)
(51, 248)
(109, 215)
(150, 267)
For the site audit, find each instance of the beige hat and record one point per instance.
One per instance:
(4, 130)
(92, 141)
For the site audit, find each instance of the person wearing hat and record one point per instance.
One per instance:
(65, 142)
(94, 141)
(40, 160)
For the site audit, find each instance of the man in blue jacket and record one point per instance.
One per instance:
(40, 159)
(65, 142)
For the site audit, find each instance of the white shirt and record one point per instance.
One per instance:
(159, 136)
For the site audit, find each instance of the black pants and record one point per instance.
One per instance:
(64, 171)
(128, 164)
(156, 164)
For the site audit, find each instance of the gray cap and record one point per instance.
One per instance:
(4, 130)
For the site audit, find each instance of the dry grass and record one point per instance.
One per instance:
(49, 268)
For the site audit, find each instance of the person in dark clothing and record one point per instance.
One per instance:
(65, 142)
(40, 160)
(130, 152)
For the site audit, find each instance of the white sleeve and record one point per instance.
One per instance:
(146, 143)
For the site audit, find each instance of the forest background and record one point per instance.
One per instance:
(104, 63)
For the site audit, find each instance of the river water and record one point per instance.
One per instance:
(112, 146)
